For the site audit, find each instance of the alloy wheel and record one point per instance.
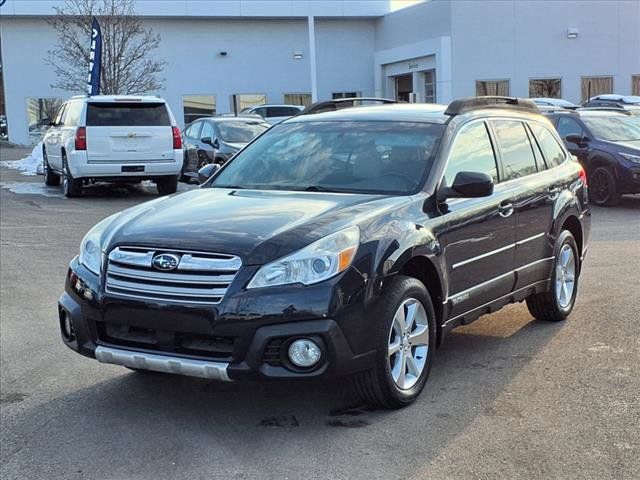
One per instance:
(565, 276)
(599, 188)
(408, 343)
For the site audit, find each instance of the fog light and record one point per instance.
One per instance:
(304, 353)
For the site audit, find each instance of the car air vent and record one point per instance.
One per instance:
(170, 275)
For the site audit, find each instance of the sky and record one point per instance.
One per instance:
(398, 4)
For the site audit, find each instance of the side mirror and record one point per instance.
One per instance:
(468, 185)
(577, 139)
(206, 140)
(206, 172)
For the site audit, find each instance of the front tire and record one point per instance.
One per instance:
(167, 185)
(72, 187)
(603, 189)
(405, 334)
(50, 178)
(556, 304)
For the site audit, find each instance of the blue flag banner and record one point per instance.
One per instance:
(95, 59)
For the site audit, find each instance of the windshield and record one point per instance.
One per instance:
(616, 128)
(357, 157)
(240, 132)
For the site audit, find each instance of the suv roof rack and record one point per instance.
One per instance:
(464, 105)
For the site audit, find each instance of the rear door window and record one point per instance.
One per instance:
(281, 111)
(123, 114)
(207, 131)
(553, 152)
(72, 115)
(515, 149)
(194, 130)
(472, 151)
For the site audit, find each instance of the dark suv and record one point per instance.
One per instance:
(607, 143)
(344, 243)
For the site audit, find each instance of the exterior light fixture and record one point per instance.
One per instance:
(572, 33)
(298, 55)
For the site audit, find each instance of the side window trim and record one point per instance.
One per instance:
(503, 174)
(558, 140)
(538, 148)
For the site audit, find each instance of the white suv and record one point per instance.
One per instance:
(113, 138)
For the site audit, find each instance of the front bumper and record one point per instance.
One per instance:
(246, 336)
(629, 177)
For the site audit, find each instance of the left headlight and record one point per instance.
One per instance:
(631, 158)
(314, 263)
(91, 246)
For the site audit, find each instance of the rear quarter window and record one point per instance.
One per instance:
(127, 115)
(553, 152)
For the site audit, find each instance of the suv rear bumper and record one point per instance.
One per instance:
(81, 167)
(260, 343)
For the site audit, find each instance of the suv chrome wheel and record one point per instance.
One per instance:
(565, 276)
(408, 343)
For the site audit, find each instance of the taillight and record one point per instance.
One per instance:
(81, 138)
(583, 176)
(177, 139)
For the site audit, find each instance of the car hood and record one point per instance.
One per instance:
(633, 146)
(257, 225)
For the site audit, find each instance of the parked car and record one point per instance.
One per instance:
(113, 139)
(554, 103)
(216, 140)
(344, 243)
(273, 113)
(607, 143)
(340, 103)
(626, 102)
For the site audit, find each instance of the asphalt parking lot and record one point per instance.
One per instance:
(508, 397)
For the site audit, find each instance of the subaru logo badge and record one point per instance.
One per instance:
(166, 261)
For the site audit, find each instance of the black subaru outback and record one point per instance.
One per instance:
(344, 243)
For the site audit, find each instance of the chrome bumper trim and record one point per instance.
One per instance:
(163, 363)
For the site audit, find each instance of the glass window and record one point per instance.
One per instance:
(568, 126)
(72, 115)
(553, 153)
(207, 130)
(143, 114)
(59, 120)
(198, 106)
(368, 157)
(471, 152)
(592, 86)
(515, 150)
(241, 132)
(492, 87)
(635, 84)
(537, 153)
(246, 100)
(430, 86)
(545, 88)
(40, 112)
(335, 95)
(303, 99)
(282, 111)
(613, 127)
(193, 131)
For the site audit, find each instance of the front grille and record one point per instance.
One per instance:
(200, 278)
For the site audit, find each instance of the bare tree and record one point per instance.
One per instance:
(127, 64)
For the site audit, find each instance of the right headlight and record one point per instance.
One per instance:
(314, 263)
(91, 246)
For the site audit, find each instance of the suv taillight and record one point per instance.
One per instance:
(583, 175)
(81, 138)
(177, 138)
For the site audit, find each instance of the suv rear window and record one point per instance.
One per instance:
(127, 115)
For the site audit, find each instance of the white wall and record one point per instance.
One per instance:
(518, 40)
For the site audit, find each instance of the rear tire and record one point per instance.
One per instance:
(72, 187)
(50, 178)
(404, 356)
(556, 304)
(167, 185)
(603, 189)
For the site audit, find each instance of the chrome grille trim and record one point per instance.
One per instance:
(200, 278)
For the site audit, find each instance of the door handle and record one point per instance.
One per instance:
(505, 209)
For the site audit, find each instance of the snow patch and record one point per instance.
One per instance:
(30, 188)
(31, 165)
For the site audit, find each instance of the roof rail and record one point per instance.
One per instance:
(338, 103)
(605, 109)
(468, 104)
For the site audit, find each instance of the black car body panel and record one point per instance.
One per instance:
(472, 254)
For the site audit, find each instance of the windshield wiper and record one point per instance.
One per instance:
(317, 188)
(234, 187)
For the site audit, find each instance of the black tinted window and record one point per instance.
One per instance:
(127, 115)
(471, 152)
(281, 111)
(553, 152)
(515, 149)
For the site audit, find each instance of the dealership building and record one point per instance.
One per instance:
(223, 55)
